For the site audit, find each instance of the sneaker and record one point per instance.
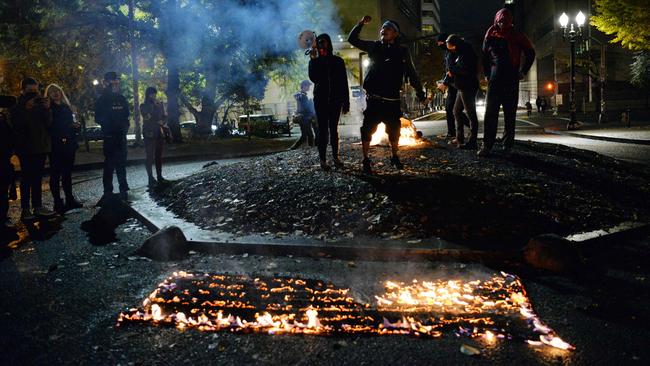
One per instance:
(72, 204)
(396, 163)
(325, 166)
(338, 163)
(43, 212)
(471, 145)
(367, 166)
(485, 151)
(27, 215)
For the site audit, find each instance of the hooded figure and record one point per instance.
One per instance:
(331, 96)
(462, 69)
(503, 48)
(441, 41)
(390, 65)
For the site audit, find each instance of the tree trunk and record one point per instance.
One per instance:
(173, 110)
(135, 74)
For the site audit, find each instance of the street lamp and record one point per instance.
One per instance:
(573, 35)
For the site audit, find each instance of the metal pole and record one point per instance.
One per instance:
(572, 96)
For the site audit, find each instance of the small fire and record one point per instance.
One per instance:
(489, 309)
(408, 134)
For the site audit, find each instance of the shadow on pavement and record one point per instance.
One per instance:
(101, 227)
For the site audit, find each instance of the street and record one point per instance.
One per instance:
(65, 291)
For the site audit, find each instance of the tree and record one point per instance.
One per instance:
(627, 20)
(640, 72)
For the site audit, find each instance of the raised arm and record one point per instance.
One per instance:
(357, 42)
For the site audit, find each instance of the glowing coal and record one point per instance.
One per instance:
(492, 309)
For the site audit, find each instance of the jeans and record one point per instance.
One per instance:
(114, 160)
(499, 94)
(466, 100)
(32, 167)
(153, 147)
(61, 163)
(449, 110)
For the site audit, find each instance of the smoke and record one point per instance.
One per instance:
(241, 39)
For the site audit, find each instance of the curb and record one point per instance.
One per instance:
(178, 158)
(601, 138)
(338, 250)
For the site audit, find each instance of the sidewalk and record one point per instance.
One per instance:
(211, 149)
(638, 132)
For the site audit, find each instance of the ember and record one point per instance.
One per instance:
(492, 309)
(408, 134)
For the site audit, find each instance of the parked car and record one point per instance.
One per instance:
(188, 128)
(264, 125)
(94, 133)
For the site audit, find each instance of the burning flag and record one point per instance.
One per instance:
(490, 309)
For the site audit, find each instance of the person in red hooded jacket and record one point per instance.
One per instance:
(504, 66)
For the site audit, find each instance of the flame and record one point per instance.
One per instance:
(408, 134)
(482, 309)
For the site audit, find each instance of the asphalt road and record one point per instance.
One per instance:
(60, 297)
(525, 131)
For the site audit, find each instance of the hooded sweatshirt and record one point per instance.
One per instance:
(502, 49)
(329, 76)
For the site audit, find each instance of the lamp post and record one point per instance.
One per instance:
(572, 32)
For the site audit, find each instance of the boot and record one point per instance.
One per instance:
(338, 163)
(396, 162)
(71, 203)
(152, 182)
(470, 145)
(484, 152)
(325, 166)
(58, 205)
(367, 166)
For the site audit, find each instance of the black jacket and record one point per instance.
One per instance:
(62, 124)
(329, 77)
(32, 126)
(153, 118)
(112, 113)
(389, 65)
(463, 64)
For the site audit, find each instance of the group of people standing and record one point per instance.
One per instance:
(41, 126)
(507, 57)
(390, 64)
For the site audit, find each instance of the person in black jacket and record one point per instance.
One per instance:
(463, 67)
(331, 96)
(31, 119)
(112, 114)
(503, 47)
(445, 85)
(390, 63)
(64, 146)
(154, 123)
(7, 141)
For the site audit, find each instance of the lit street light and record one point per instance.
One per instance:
(574, 33)
(95, 82)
